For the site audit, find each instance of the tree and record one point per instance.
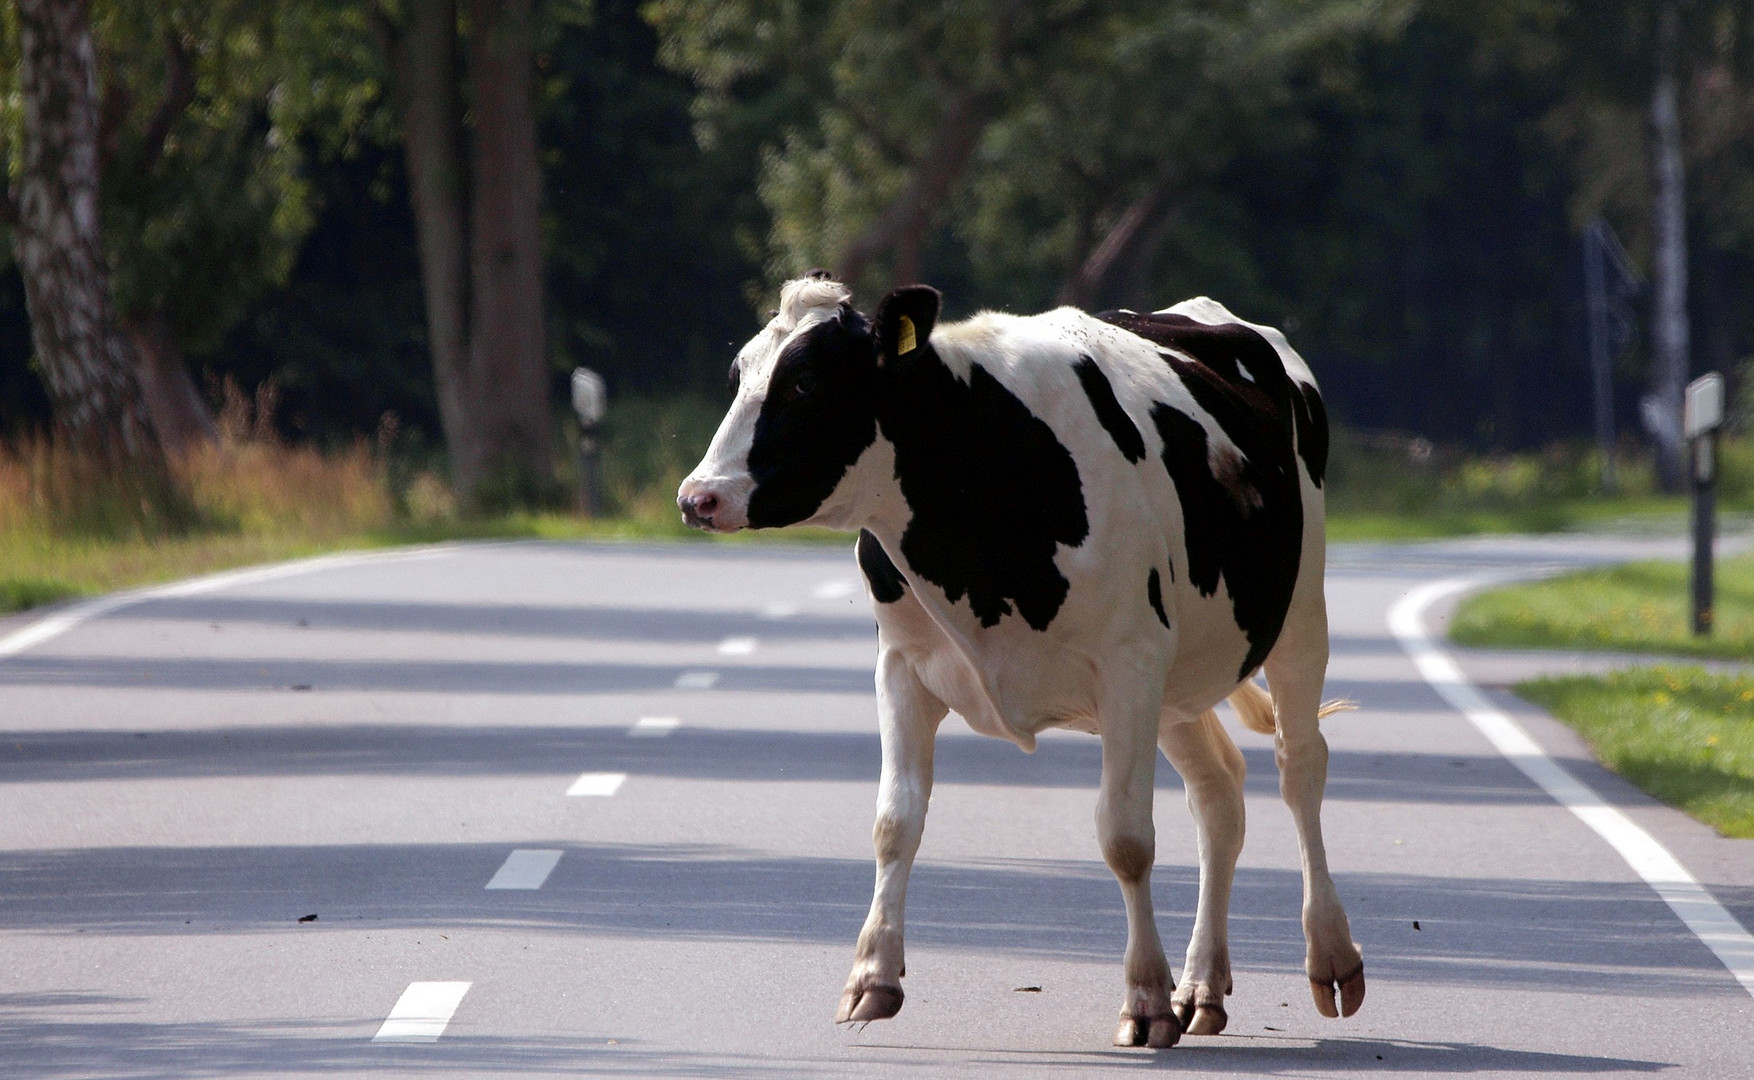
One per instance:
(475, 187)
(1060, 132)
(202, 204)
(1655, 122)
(57, 237)
(205, 203)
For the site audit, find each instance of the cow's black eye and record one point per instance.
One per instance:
(806, 384)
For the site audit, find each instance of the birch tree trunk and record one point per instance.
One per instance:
(86, 362)
(1669, 326)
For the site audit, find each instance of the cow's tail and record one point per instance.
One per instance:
(1254, 707)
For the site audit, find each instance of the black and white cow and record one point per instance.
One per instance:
(1108, 523)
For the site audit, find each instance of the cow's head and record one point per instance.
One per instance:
(805, 409)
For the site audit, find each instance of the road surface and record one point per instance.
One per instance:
(576, 810)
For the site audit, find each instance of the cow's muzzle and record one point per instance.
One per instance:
(698, 510)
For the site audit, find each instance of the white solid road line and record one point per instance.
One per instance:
(66, 619)
(1708, 919)
(525, 868)
(597, 783)
(653, 727)
(737, 646)
(697, 680)
(422, 1012)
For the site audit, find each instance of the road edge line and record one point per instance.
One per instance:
(1691, 902)
(56, 623)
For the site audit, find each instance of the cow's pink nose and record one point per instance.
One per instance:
(698, 510)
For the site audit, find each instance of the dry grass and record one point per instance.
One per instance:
(67, 527)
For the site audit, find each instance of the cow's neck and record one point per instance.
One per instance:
(868, 496)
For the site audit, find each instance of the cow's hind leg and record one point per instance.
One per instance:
(1129, 844)
(1213, 769)
(1295, 671)
(908, 716)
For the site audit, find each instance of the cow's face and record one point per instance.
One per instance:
(804, 412)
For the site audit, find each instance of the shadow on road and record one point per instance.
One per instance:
(691, 753)
(1604, 937)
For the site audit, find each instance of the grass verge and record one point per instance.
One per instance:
(1682, 734)
(1635, 607)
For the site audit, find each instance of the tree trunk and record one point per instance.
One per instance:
(506, 339)
(1669, 330)
(179, 416)
(477, 207)
(86, 363)
(424, 72)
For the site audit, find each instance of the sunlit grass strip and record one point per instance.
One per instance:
(1637, 607)
(1682, 734)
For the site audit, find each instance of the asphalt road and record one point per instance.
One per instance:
(187, 775)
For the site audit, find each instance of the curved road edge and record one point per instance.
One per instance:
(1709, 921)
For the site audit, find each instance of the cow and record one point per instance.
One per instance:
(1108, 523)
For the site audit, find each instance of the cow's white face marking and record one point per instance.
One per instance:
(715, 496)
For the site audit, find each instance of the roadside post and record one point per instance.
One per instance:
(590, 399)
(1703, 415)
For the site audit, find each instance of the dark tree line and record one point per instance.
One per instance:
(435, 208)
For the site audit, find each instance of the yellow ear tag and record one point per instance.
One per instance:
(904, 338)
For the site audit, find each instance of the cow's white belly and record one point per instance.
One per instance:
(1011, 682)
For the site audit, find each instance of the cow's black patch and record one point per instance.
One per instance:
(1154, 593)
(992, 491)
(1243, 522)
(817, 419)
(887, 584)
(1312, 430)
(1113, 418)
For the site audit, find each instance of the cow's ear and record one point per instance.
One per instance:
(904, 321)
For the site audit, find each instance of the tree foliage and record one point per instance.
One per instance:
(1397, 182)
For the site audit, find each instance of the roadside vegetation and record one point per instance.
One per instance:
(1636, 607)
(68, 529)
(1683, 734)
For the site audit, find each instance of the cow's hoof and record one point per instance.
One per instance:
(1159, 1032)
(1200, 1010)
(873, 1002)
(1351, 986)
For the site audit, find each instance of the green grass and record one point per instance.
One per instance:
(1682, 734)
(1637, 607)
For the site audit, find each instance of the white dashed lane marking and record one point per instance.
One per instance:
(653, 727)
(838, 589)
(422, 1012)
(525, 868)
(779, 611)
(696, 680)
(597, 783)
(737, 646)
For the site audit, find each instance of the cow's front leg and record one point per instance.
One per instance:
(908, 716)
(1129, 845)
